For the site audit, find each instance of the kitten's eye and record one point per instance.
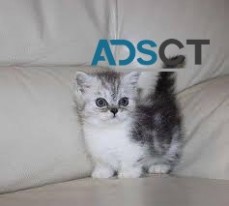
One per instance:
(123, 101)
(100, 102)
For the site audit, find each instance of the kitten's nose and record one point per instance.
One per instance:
(114, 110)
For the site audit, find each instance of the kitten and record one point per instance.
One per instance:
(125, 133)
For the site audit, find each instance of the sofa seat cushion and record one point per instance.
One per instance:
(156, 190)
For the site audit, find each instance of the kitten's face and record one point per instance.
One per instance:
(108, 97)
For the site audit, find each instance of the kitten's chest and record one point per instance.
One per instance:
(107, 141)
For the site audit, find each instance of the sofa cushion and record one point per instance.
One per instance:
(206, 122)
(66, 33)
(53, 32)
(40, 137)
(181, 20)
(41, 140)
(155, 190)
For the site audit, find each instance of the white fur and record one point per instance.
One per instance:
(159, 168)
(112, 150)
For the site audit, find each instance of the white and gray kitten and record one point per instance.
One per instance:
(126, 134)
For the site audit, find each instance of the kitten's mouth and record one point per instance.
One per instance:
(113, 119)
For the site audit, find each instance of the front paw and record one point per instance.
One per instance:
(102, 172)
(130, 173)
(159, 169)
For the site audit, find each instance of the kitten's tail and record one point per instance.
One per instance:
(166, 80)
(165, 83)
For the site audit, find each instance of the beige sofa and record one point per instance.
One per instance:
(43, 44)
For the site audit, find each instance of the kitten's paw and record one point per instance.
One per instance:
(130, 173)
(102, 172)
(159, 169)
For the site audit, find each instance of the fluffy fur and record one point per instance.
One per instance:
(143, 135)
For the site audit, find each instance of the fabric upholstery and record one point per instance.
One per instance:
(39, 32)
(156, 190)
(53, 32)
(41, 140)
(40, 137)
(205, 110)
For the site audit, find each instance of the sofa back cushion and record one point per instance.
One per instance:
(40, 136)
(67, 32)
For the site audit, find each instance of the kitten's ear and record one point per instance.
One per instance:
(83, 81)
(132, 78)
